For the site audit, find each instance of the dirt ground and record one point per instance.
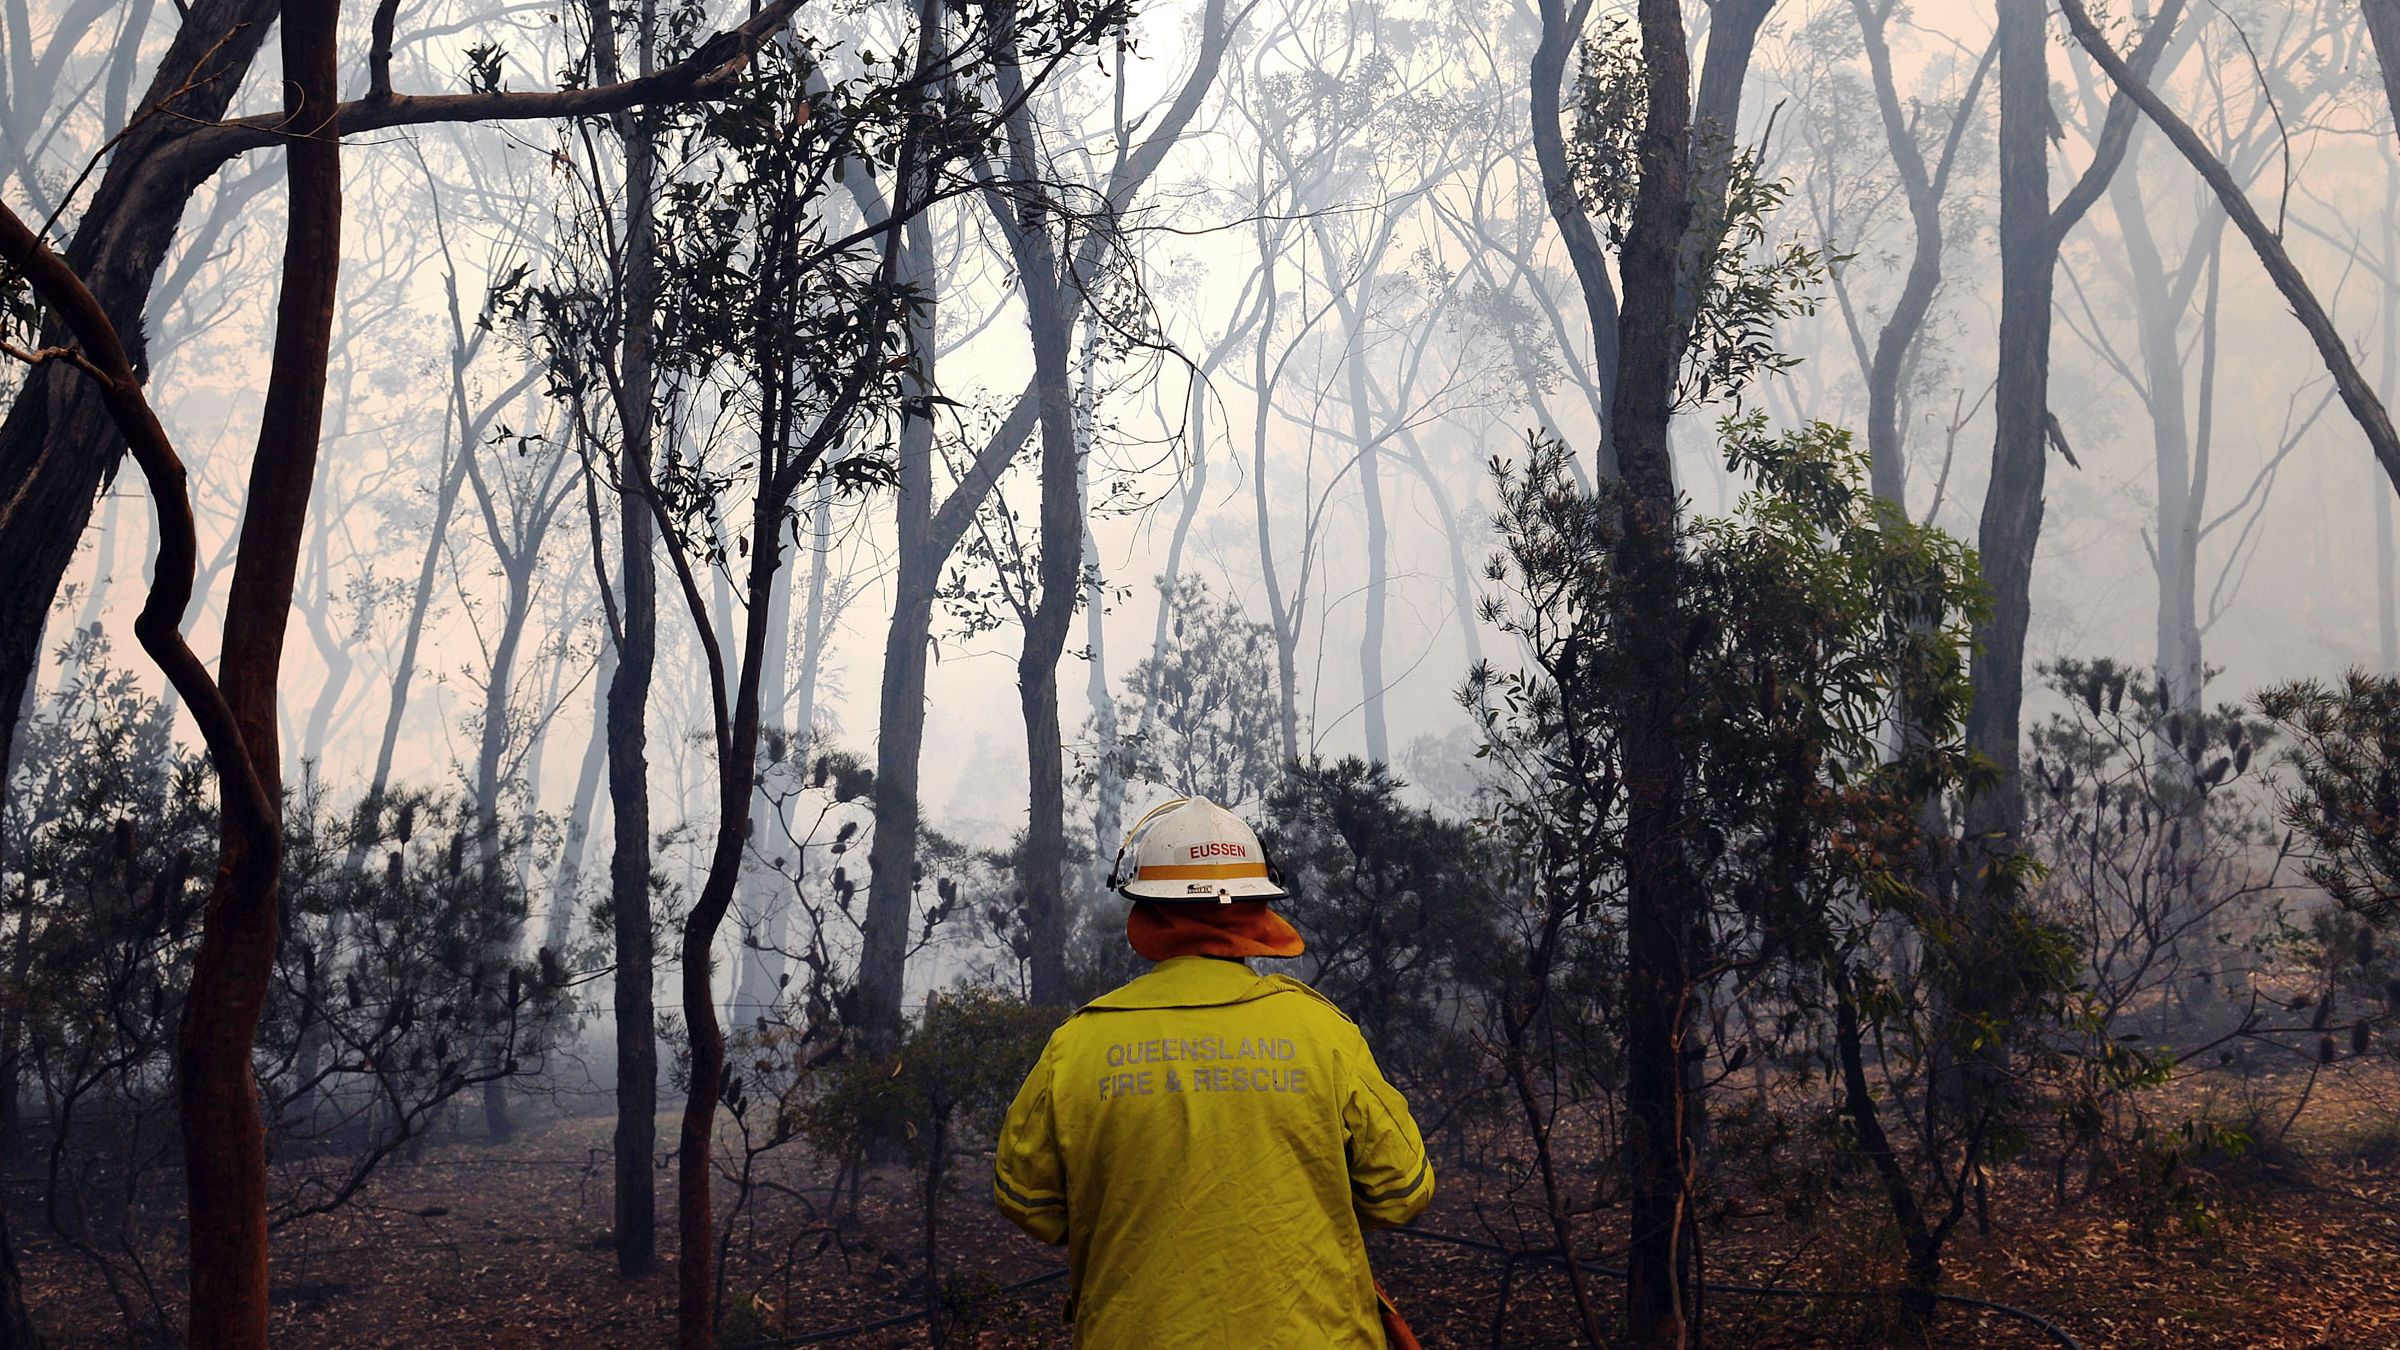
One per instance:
(472, 1244)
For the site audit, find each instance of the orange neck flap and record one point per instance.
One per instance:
(1243, 928)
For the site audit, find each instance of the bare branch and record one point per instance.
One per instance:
(2357, 394)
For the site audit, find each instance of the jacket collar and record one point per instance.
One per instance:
(1188, 982)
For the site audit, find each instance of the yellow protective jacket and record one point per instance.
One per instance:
(1208, 1142)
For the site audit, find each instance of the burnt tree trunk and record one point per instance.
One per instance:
(1660, 906)
(636, 1136)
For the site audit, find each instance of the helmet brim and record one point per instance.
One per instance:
(1204, 892)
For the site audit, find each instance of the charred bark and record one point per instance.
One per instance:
(1661, 908)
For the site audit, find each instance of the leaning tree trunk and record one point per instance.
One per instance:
(2387, 559)
(57, 444)
(1562, 23)
(2133, 82)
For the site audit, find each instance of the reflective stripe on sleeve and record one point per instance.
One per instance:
(1020, 1199)
(1378, 1197)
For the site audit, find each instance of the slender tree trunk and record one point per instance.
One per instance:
(2031, 232)
(1923, 1242)
(566, 890)
(1896, 344)
(1053, 300)
(765, 896)
(636, 1199)
(2161, 302)
(695, 1315)
(1283, 615)
(813, 623)
(491, 754)
(1562, 23)
(900, 723)
(1371, 682)
(224, 1140)
(2012, 504)
(1041, 867)
(1108, 774)
(491, 745)
(404, 670)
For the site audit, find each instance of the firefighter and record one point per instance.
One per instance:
(1208, 1142)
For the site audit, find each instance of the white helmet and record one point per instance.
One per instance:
(1191, 849)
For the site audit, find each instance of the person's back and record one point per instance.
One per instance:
(1208, 1142)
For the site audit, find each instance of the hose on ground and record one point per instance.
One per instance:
(2057, 1334)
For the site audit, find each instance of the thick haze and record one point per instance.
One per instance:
(1366, 196)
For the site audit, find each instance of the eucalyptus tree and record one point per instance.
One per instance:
(1562, 26)
(1925, 189)
(1497, 216)
(1063, 240)
(2133, 82)
(2032, 231)
(57, 442)
(833, 584)
(1394, 299)
(2176, 377)
(1325, 294)
(797, 326)
(224, 1142)
(521, 493)
(95, 291)
(1675, 200)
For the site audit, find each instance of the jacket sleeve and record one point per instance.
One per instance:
(1391, 1178)
(1029, 1178)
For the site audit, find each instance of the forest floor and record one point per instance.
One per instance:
(476, 1244)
